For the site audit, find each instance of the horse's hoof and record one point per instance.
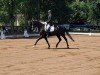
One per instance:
(56, 46)
(33, 46)
(73, 40)
(68, 47)
(48, 47)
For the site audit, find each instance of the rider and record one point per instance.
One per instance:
(49, 21)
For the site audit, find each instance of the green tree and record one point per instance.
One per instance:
(80, 12)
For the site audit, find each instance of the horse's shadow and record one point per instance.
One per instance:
(64, 48)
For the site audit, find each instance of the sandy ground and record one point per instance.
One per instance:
(18, 57)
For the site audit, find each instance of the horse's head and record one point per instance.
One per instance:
(38, 24)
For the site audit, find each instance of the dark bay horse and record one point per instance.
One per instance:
(58, 31)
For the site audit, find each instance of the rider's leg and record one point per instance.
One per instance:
(48, 31)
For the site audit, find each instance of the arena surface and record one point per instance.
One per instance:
(18, 57)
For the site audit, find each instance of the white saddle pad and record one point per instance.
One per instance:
(47, 26)
(51, 28)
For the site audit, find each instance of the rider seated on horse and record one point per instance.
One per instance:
(49, 21)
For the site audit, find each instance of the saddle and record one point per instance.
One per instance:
(49, 28)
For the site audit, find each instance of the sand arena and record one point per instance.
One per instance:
(18, 57)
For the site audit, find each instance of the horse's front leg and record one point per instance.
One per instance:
(47, 42)
(38, 39)
(59, 40)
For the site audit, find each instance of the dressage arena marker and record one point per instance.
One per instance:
(90, 34)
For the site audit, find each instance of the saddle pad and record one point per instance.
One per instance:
(51, 28)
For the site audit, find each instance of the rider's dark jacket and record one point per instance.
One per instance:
(49, 21)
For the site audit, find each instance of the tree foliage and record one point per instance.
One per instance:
(64, 11)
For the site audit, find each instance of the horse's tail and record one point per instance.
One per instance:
(67, 32)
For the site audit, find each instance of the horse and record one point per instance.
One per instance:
(58, 31)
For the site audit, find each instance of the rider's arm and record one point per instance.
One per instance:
(49, 18)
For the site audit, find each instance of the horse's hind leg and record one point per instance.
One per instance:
(38, 40)
(58, 41)
(66, 40)
(47, 42)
